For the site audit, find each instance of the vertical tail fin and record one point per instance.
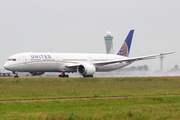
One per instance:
(125, 48)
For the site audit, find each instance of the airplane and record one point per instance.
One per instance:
(86, 65)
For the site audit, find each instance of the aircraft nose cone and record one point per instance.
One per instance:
(6, 65)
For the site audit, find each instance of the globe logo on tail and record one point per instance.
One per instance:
(124, 50)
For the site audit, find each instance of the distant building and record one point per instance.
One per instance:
(109, 43)
(4, 74)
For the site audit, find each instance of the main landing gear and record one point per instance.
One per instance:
(63, 75)
(16, 74)
(87, 75)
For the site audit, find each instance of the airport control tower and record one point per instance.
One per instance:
(109, 44)
(161, 59)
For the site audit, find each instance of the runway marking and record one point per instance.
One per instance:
(72, 99)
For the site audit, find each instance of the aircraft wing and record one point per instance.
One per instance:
(131, 59)
(122, 60)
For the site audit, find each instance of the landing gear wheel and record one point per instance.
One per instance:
(63, 75)
(16, 76)
(87, 75)
(66, 75)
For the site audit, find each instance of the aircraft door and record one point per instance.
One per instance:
(24, 58)
(57, 60)
(89, 60)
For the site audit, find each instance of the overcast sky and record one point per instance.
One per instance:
(79, 26)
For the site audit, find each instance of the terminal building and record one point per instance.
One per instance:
(5, 74)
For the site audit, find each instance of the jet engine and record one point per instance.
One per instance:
(36, 73)
(86, 70)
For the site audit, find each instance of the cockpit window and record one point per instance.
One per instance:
(12, 59)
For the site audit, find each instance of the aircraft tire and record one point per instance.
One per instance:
(87, 75)
(66, 75)
(63, 76)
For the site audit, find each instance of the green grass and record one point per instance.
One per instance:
(141, 108)
(127, 108)
(40, 88)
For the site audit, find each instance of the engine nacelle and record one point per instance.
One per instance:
(86, 69)
(36, 73)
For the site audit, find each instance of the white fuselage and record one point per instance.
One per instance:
(57, 62)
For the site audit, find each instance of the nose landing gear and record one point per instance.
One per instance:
(63, 75)
(16, 74)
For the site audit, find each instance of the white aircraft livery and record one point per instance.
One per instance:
(85, 64)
